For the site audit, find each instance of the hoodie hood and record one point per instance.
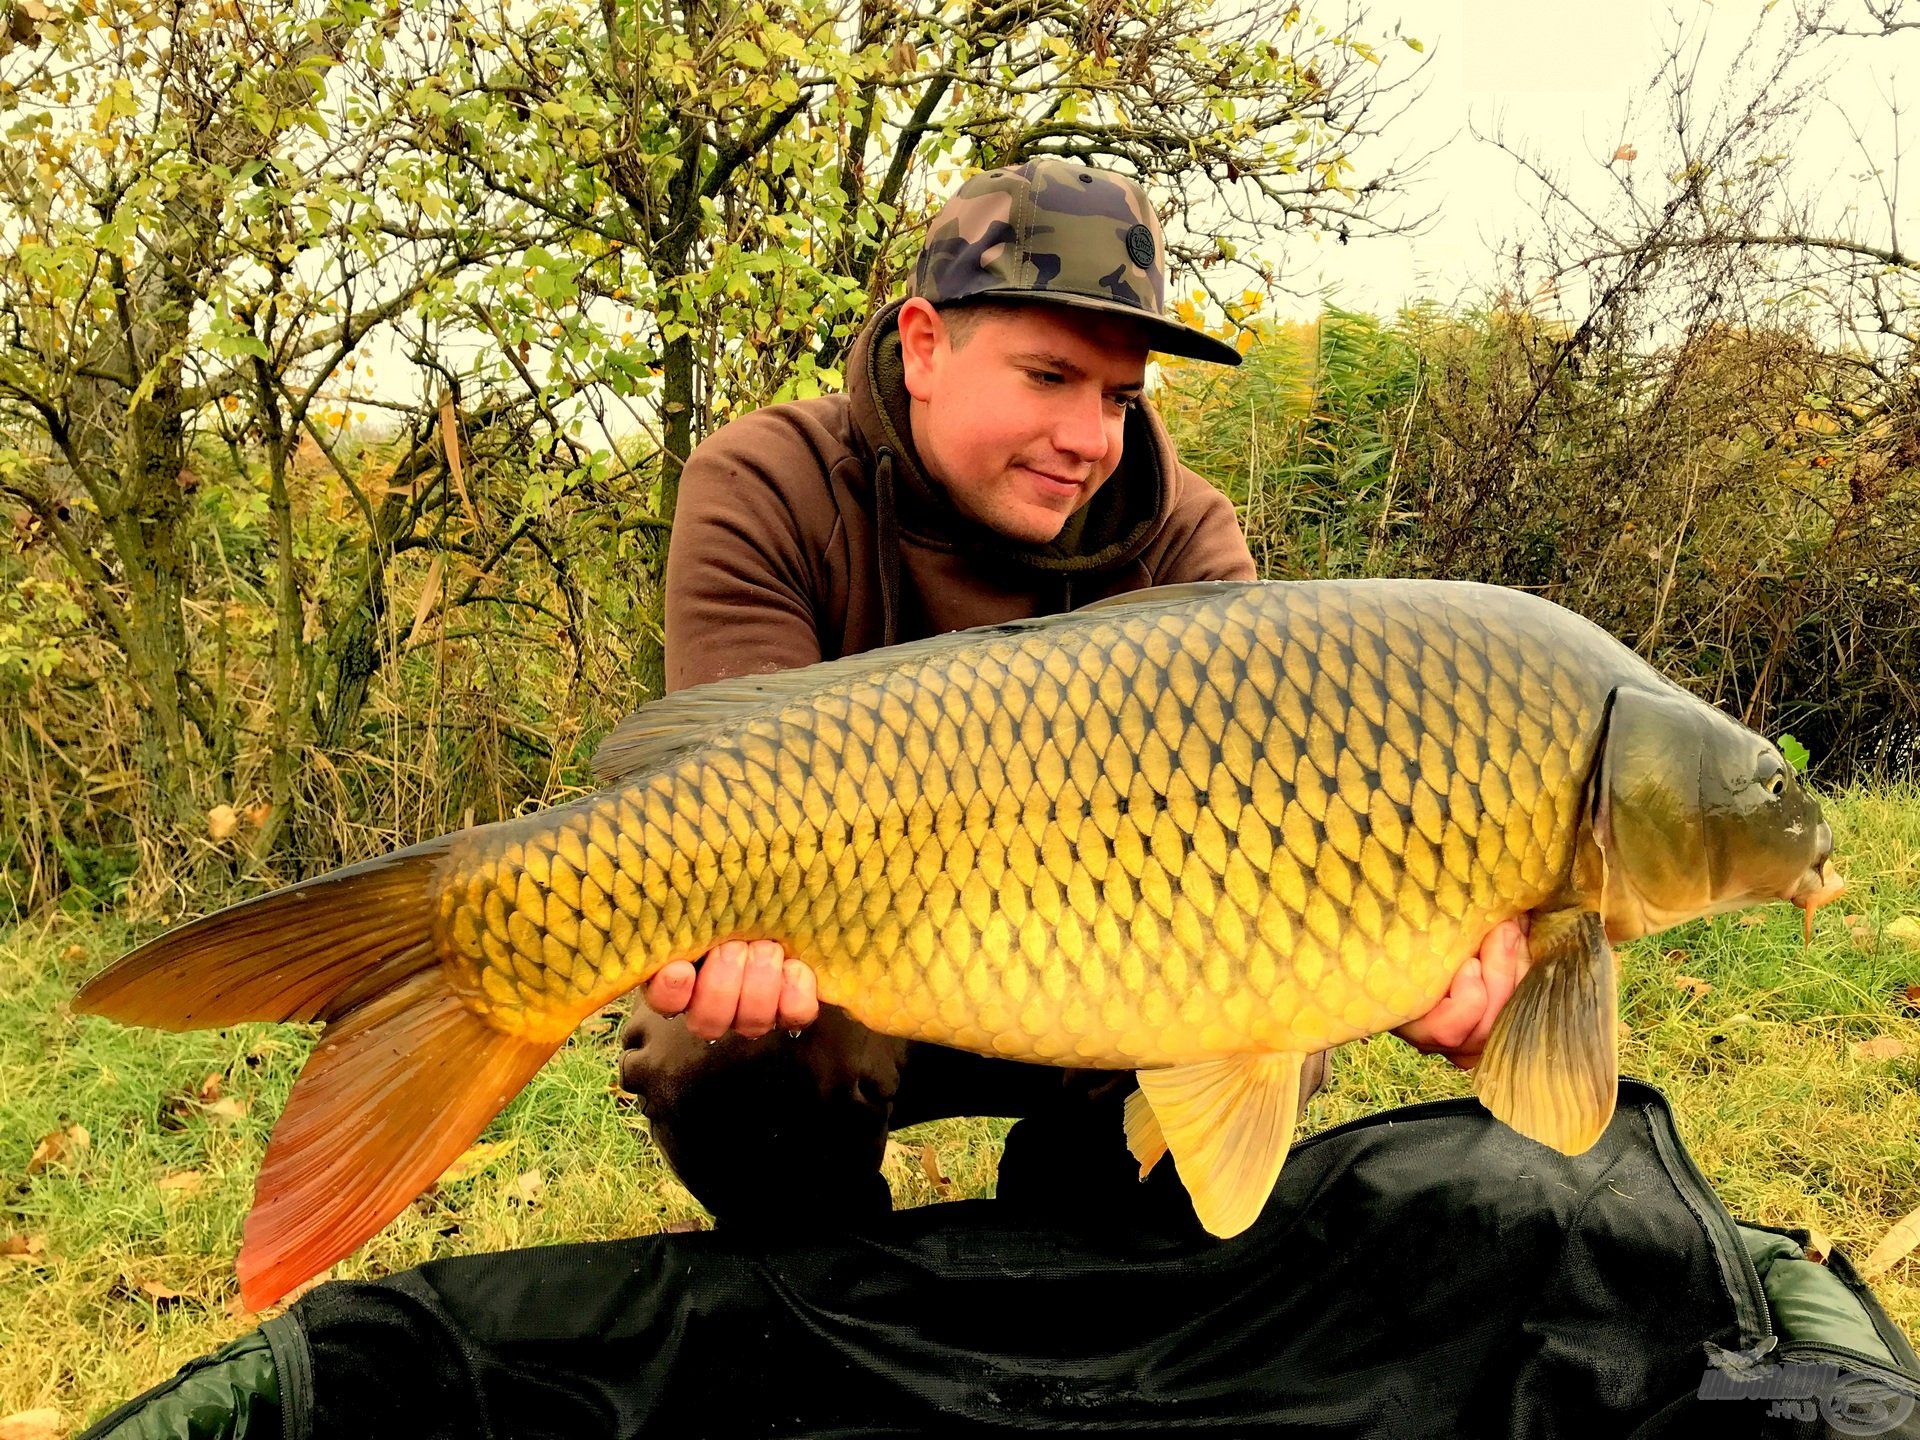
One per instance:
(1110, 530)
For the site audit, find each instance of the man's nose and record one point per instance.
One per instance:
(1081, 429)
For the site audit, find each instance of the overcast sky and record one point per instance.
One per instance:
(1573, 82)
(1570, 82)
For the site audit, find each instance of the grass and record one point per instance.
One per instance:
(131, 1228)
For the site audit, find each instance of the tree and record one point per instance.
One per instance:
(205, 217)
(742, 182)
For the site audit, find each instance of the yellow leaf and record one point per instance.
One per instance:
(1819, 1245)
(1692, 986)
(1906, 930)
(1894, 1246)
(475, 1159)
(429, 595)
(222, 821)
(185, 1182)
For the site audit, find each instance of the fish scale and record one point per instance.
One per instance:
(1266, 822)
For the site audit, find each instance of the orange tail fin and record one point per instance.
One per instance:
(404, 1077)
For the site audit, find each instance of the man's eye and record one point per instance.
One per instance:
(1049, 377)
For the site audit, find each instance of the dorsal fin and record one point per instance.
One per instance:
(1186, 592)
(662, 731)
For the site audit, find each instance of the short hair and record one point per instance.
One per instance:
(963, 319)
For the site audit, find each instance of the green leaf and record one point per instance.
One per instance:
(1795, 752)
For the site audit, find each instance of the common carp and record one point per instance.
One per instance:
(1201, 832)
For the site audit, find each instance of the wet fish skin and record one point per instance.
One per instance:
(1198, 833)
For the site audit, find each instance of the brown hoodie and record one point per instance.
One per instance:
(809, 530)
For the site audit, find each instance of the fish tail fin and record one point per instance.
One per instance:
(404, 1077)
(309, 952)
(396, 1089)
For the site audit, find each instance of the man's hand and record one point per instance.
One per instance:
(747, 987)
(1459, 1025)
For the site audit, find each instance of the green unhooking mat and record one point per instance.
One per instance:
(1423, 1272)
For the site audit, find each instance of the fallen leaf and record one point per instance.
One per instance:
(74, 952)
(222, 821)
(684, 1227)
(1692, 986)
(1913, 998)
(1819, 1245)
(258, 815)
(146, 1292)
(41, 1424)
(1881, 1047)
(1752, 918)
(210, 1088)
(526, 1187)
(22, 1246)
(1895, 1245)
(474, 1159)
(930, 1167)
(1906, 930)
(227, 1111)
(57, 1146)
(184, 1182)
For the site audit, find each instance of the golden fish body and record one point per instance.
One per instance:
(1273, 820)
(1200, 833)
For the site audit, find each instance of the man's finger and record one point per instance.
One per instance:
(716, 993)
(759, 990)
(1503, 961)
(799, 1002)
(670, 990)
(1451, 1021)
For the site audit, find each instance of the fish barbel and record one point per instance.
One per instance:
(1200, 832)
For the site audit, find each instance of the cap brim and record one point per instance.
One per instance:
(1169, 337)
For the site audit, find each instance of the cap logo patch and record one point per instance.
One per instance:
(1140, 246)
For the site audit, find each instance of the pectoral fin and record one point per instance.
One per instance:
(1551, 1067)
(1228, 1124)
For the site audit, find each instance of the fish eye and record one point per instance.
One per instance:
(1772, 773)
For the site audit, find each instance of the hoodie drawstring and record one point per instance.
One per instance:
(888, 527)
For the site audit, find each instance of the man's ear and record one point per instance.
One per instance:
(923, 344)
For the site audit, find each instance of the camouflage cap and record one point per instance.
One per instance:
(1066, 234)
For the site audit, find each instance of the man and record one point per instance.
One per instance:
(992, 458)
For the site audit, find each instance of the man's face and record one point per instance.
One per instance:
(1023, 422)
